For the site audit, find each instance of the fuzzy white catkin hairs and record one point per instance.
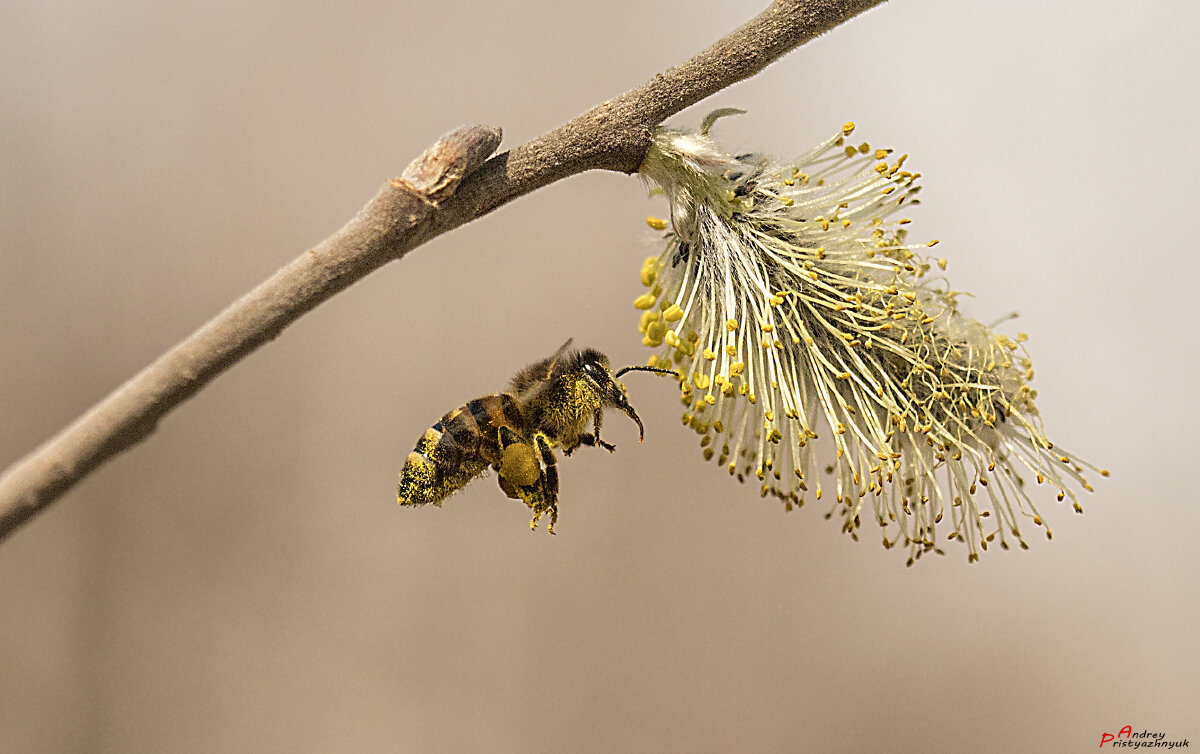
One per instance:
(793, 306)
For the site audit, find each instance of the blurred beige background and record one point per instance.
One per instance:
(245, 582)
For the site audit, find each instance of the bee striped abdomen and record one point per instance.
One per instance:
(455, 450)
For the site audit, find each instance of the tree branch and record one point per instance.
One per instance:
(449, 185)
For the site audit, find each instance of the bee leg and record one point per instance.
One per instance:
(593, 438)
(535, 498)
(521, 477)
(506, 437)
(587, 438)
(533, 495)
(596, 432)
(517, 465)
(549, 484)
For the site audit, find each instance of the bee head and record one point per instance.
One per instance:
(610, 392)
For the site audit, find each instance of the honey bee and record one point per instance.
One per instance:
(548, 405)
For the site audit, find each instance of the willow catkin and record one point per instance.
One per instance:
(793, 305)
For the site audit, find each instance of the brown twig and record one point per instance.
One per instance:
(451, 184)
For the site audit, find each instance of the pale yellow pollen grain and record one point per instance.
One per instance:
(647, 318)
(649, 271)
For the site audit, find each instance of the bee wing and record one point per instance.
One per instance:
(537, 374)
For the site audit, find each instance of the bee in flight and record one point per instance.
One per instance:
(548, 405)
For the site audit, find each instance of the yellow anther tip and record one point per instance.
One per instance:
(847, 128)
(656, 223)
(645, 301)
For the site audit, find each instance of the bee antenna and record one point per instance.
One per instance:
(645, 369)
